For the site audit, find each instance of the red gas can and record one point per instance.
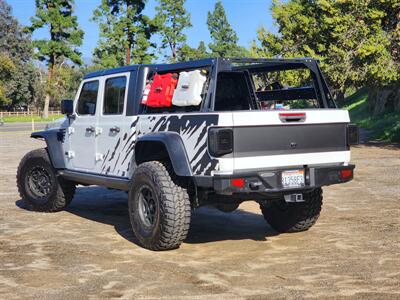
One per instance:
(162, 90)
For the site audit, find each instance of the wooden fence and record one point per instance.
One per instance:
(26, 113)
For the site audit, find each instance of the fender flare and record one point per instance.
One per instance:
(174, 146)
(54, 139)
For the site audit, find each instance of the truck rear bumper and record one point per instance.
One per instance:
(270, 181)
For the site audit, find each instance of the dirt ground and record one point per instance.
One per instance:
(88, 251)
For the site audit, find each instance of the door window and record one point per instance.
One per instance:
(88, 98)
(114, 96)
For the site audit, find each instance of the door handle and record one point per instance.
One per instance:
(90, 129)
(115, 129)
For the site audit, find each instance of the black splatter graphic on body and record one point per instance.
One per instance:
(187, 126)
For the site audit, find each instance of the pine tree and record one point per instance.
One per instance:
(224, 38)
(124, 33)
(171, 20)
(202, 50)
(65, 37)
(187, 53)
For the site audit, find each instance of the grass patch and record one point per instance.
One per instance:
(361, 94)
(385, 127)
(13, 119)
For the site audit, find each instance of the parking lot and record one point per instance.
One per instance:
(89, 252)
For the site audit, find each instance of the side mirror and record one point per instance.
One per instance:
(67, 107)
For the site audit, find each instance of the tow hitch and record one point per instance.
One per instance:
(290, 198)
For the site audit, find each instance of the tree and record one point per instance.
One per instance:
(18, 85)
(202, 50)
(224, 38)
(38, 86)
(302, 33)
(6, 69)
(383, 53)
(187, 53)
(22, 88)
(65, 37)
(66, 81)
(124, 33)
(353, 39)
(171, 20)
(13, 39)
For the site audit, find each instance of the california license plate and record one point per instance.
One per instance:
(293, 178)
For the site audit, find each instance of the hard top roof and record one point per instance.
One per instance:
(253, 62)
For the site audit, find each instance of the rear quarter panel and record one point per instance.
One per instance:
(193, 129)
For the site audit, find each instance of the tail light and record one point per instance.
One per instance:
(353, 134)
(346, 174)
(238, 182)
(220, 141)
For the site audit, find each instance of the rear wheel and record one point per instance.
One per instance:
(159, 207)
(38, 185)
(294, 217)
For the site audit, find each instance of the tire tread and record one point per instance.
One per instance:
(65, 190)
(174, 206)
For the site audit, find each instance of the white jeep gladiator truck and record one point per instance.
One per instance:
(209, 132)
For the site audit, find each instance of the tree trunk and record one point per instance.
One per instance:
(384, 99)
(128, 55)
(45, 114)
(47, 98)
(340, 97)
(174, 54)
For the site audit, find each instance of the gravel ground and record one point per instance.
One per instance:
(89, 252)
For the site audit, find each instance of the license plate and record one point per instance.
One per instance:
(293, 178)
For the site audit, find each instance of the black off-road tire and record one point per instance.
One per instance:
(59, 193)
(171, 214)
(294, 217)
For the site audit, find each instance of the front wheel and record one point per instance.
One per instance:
(38, 184)
(293, 217)
(159, 208)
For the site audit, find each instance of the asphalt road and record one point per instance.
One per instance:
(89, 251)
(21, 127)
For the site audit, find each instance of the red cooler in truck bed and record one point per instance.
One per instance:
(162, 90)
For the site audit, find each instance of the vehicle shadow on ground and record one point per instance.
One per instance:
(208, 224)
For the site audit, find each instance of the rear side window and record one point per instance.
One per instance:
(88, 98)
(114, 95)
(232, 92)
(286, 89)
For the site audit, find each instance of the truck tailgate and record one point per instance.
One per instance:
(266, 139)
